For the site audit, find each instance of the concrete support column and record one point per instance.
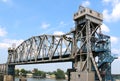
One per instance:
(1, 77)
(10, 73)
(8, 78)
(11, 70)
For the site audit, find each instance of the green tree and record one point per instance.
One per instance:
(29, 71)
(43, 74)
(23, 71)
(59, 74)
(17, 72)
(39, 73)
(66, 72)
(50, 73)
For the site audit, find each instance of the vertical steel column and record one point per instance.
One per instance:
(88, 45)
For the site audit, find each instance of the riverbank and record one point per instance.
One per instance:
(35, 79)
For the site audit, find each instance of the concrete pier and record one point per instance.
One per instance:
(1, 77)
(8, 78)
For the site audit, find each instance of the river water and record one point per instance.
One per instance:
(34, 79)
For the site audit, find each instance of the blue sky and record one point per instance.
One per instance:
(22, 19)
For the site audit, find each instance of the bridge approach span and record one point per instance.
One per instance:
(2, 68)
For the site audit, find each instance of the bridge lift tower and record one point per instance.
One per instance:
(86, 46)
(93, 60)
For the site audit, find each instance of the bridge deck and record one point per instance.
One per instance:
(63, 58)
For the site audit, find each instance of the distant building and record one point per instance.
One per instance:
(34, 70)
(29, 75)
(48, 76)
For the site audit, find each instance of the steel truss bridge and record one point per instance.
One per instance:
(85, 46)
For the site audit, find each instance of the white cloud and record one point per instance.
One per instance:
(106, 1)
(85, 3)
(11, 41)
(58, 33)
(5, 1)
(6, 43)
(118, 57)
(116, 53)
(2, 32)
(115, 46)
(45, 25)
(62, 24)
(104, 28)
(112, 2)
(113, 15)
(8, 2)
(114, 40)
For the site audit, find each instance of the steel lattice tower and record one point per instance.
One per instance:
(93, 61)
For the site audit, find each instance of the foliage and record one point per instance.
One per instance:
(50, 73)
(116, 76)
(60, 74)
(21, 72)
(39, 73)
(17, 72)
(66, 72)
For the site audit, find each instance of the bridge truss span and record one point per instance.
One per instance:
(44, 48)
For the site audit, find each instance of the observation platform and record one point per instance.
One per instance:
(87, 13)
